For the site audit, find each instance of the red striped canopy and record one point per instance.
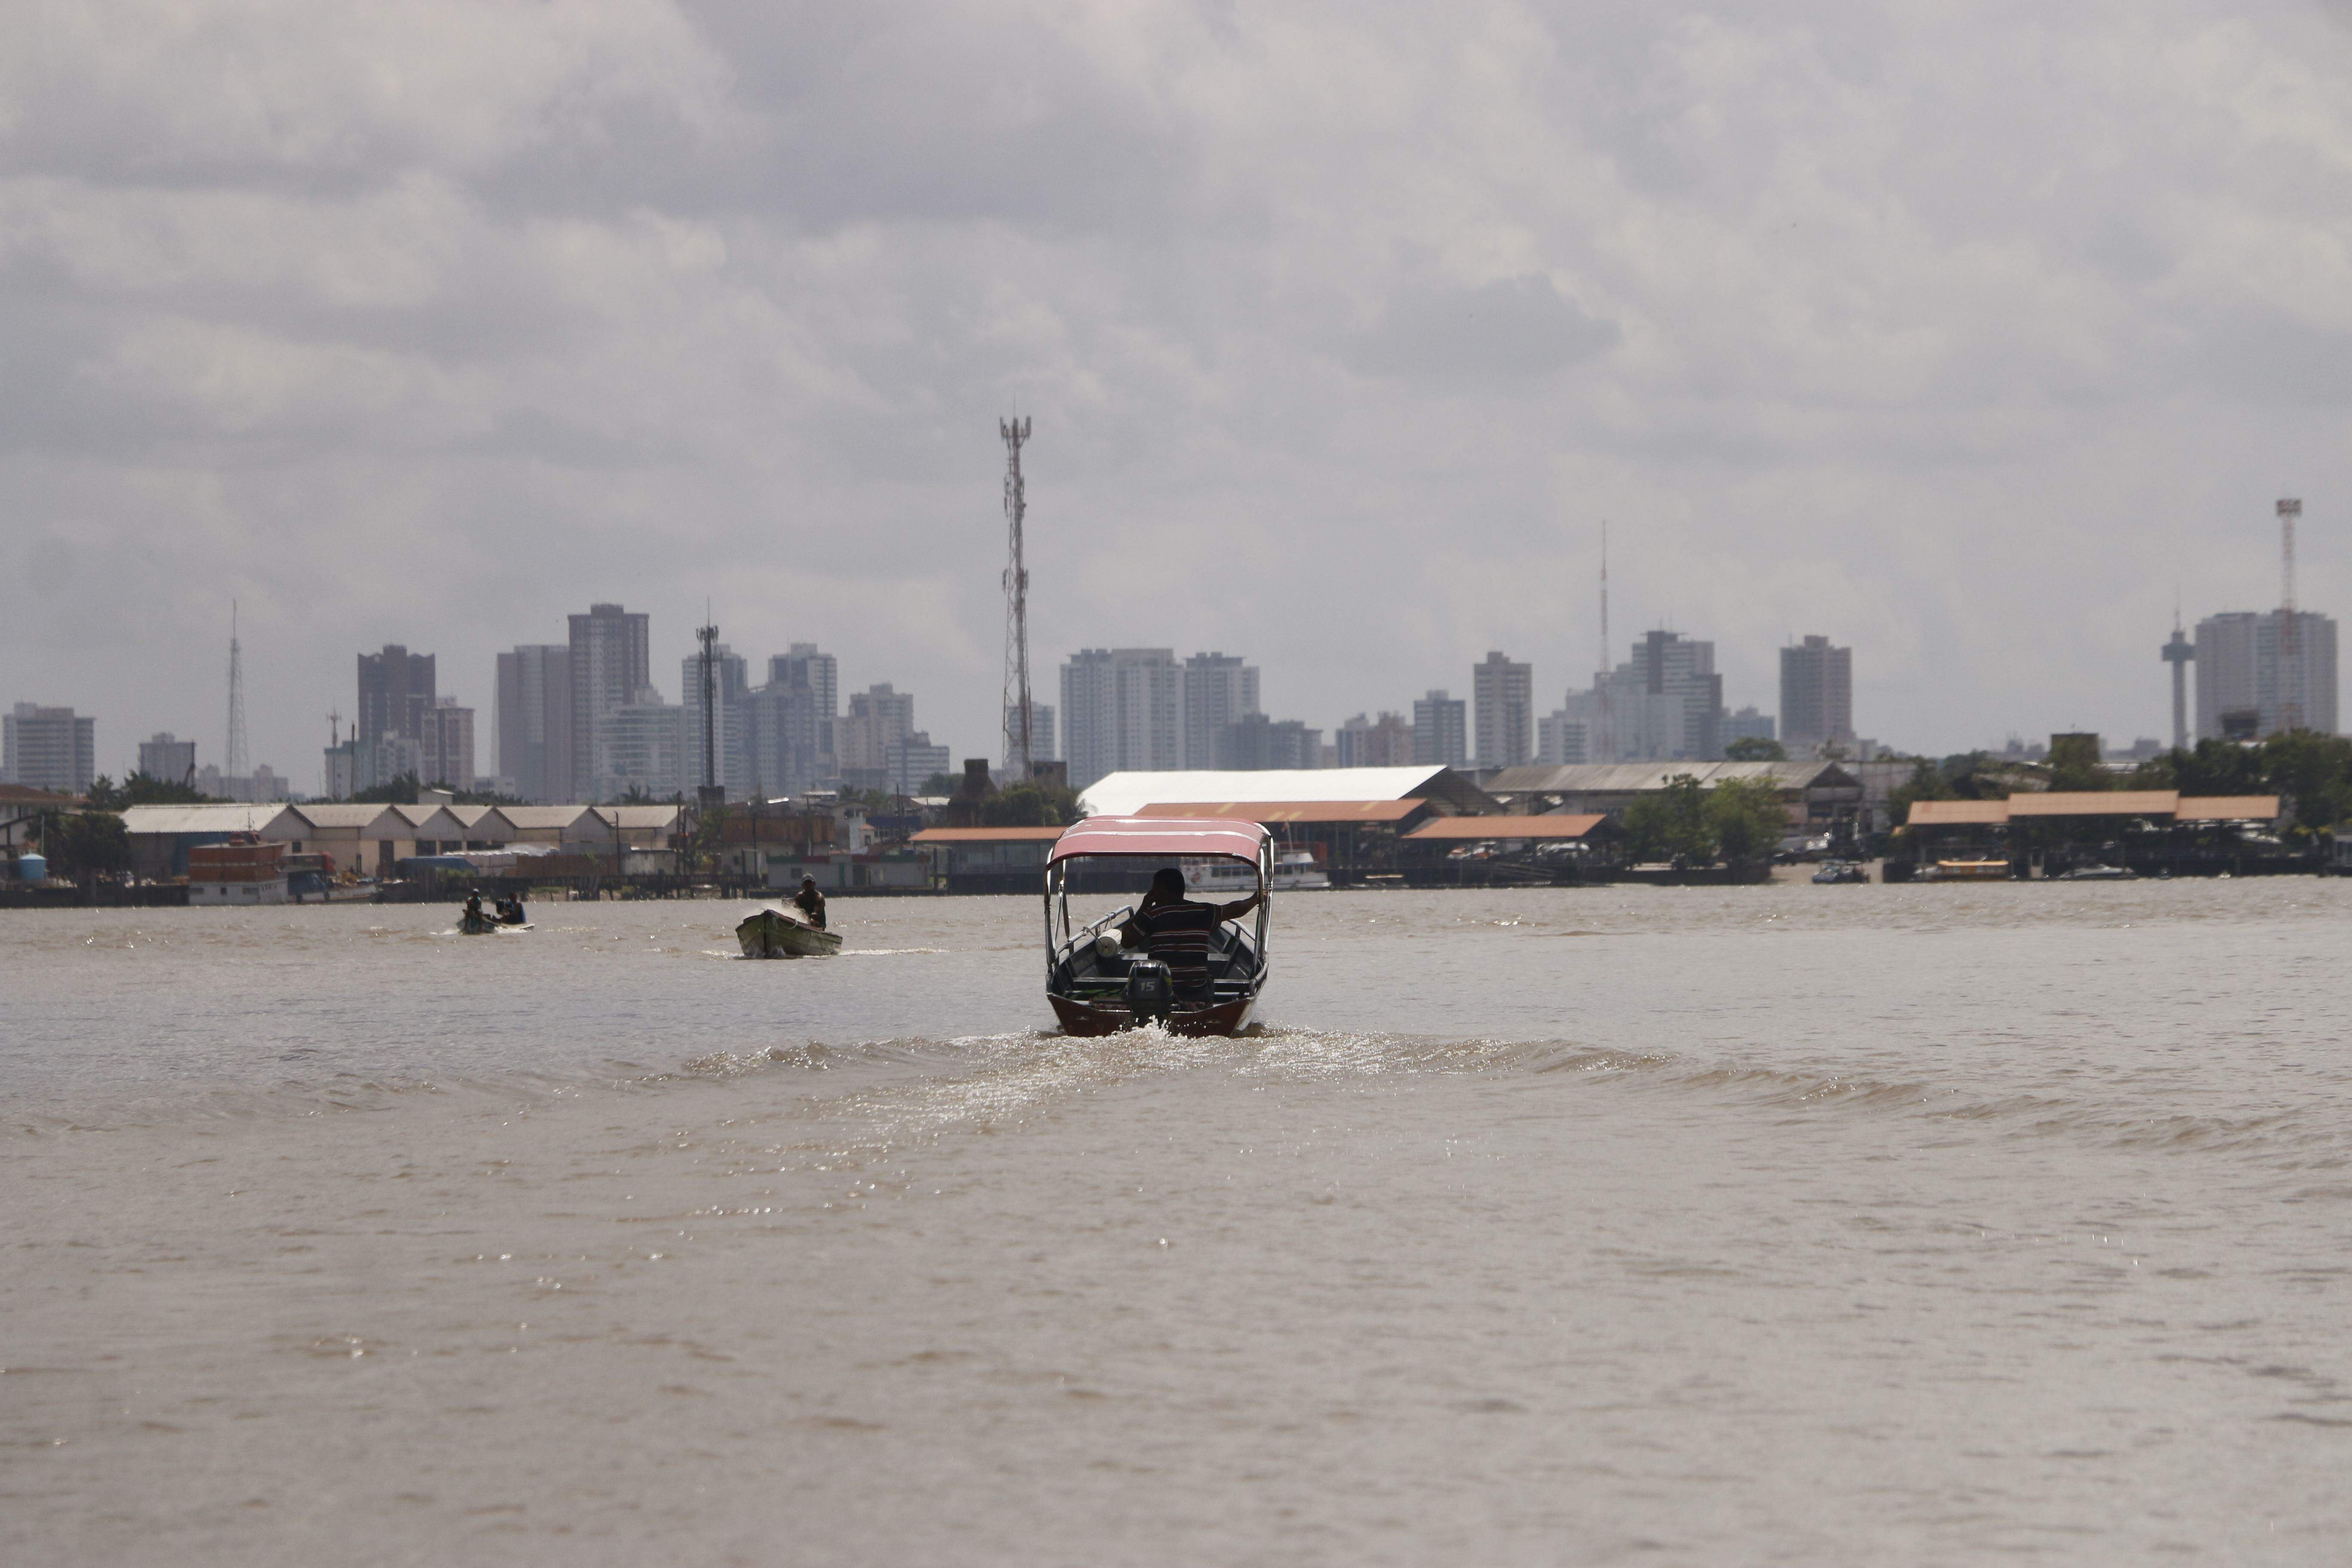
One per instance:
(1162, 837)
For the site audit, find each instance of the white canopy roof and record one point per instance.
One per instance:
(1124, 794)
(142, 819)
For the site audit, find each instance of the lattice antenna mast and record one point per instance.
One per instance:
(707, 635)
(2290, 642)
(1019, 726)
(233, 755)
(1608, 738)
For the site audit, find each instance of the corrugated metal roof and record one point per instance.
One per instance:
(1266, 811)
(1958, 813)
(986, 836)
(343, 814)
(1553, 825)
(1636, 778)
(473, 817)
(1123, 794)
(419, 816)
(2227, 808)
(544, 816)
(209, 818)
(2095, 802)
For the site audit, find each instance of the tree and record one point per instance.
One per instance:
(1745, 818)
(2074, 764)
(400, 791)
(145, 789)
(941, 783)
(2311, 773)
(84, 844)
(1029, 805)
(1670, 824)
(1755, 749)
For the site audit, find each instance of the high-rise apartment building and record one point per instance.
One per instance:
(1364, 742)
(2251, 683)
(879, 718)
(1041, 732)
(1439, 731)
(1560, 740)
(1664, 704)
(169, 758)
(1503, 692)
(1219, 689)
(611, 668)
(641, 746)
(52, 749)
(1749, 724)
(395, 688)
(1254, 743)
(1122, 711)
(446, 745)
(1816, 696)
(911, 760)
(531, 716)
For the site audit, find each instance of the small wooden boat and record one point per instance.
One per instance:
(1834, 873)
(771, 933)
(1097, 986)
(477, 925)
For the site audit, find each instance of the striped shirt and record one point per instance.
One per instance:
(1177, 933)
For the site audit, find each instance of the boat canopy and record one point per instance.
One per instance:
(1162, 837)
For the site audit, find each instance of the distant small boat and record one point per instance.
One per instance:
(771, 933)
(1838, 871)
(2099, 874)
(1967, 871)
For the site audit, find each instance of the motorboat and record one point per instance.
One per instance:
(477, 923)
(1967, 871)
(771, 933)
(1097, 985)
(2097, 873)
(1294, 870)
(1840, 871)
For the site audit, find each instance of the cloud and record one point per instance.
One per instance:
(1508, 330)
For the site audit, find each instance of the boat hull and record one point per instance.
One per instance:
(1097, 1018)
(768, 934)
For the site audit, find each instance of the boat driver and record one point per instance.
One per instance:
(809, 902)
(1178, 932)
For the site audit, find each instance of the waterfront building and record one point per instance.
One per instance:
(1816, 696)
(167, 757)
(530, 715)
(54, 749)
(1220, 690)
(2249, 685)
(1502, 691)
(395, 688)
(1439, 731)
(610, 665)
(1121, 709)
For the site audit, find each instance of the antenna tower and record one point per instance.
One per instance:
(2290, 642)
(711, 794)
(233, 755)
(1018, 714)
(1608, 737)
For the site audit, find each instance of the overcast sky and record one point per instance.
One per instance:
(1966, 334)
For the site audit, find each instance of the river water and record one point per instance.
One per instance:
(1760, 1224)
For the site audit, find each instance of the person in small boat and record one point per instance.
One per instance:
(1178, 932)
(809, 902)
(474, 906)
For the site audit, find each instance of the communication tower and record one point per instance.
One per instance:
(712, 793)
(2177, 653)
(233, 755)
(2290, 642)
(1606, 748)
(1018, 724)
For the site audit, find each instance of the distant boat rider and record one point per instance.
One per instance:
(1177, 931)
(474, 906)
(811, 902)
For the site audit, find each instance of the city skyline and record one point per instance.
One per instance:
(338, 373)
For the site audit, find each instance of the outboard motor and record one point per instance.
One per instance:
(1150, 990)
